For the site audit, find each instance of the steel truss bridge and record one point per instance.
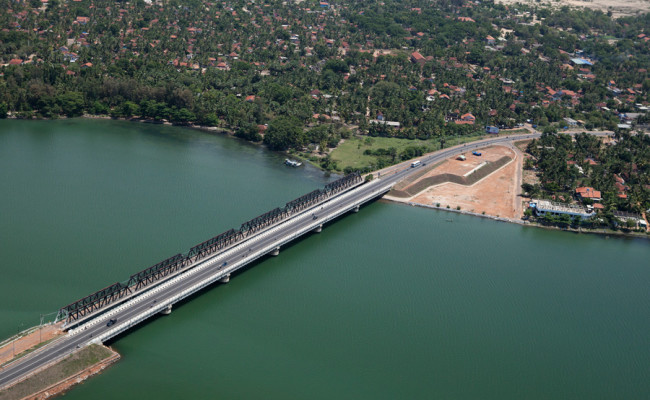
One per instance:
(88, 306)
(155, 289)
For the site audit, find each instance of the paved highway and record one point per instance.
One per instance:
(159, 297)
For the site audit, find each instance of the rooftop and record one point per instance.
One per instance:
(545, 205)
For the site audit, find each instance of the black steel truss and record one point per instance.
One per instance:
(343, 183)
(156, 272)
(264, 220)
(101, 298)
(210, 246)
(95, 301)
(305, 201)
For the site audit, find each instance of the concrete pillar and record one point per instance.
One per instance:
(225, 279)
(356, 209)
(167, 310)
(319, 228)
(275, 251)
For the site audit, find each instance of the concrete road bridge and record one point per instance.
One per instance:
(117, 308)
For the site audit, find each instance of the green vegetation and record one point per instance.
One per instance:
(617, 175)
(371, 153)
(304, 76)
(66, 368)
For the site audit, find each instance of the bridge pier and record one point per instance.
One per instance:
(356, 209)
(319, 228)
(275, 251)
(167, 310)
(225, 279)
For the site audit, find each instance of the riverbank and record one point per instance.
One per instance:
(486, 186)
(59, 377)
(599, 232)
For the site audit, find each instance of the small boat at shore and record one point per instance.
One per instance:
(292, 163)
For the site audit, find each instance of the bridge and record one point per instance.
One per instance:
(156, 289)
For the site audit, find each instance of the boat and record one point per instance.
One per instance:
(292, 163)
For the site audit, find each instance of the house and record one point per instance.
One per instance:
(588, 193)
(571, 122)
(466, 119)
(417, 58)
(490, 40)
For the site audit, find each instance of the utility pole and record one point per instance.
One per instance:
(16, 339)
(40, 330)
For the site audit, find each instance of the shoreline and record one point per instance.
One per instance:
(61, 375)
(606, 234)
(388, 169)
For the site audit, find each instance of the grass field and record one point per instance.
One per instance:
(350, 153)
(66, 368)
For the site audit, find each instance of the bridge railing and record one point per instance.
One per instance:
(102, 298)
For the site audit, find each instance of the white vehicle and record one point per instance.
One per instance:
(416, 163)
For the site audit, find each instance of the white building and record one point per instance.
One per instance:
(543, 207)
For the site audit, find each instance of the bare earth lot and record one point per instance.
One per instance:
(495, 195)
(619, 8)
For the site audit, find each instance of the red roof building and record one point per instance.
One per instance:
(416, 57)
(588, 193)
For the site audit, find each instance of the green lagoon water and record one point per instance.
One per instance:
(394, 302)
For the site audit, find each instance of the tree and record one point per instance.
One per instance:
(248, 131)
(284, 133)
(71, 103)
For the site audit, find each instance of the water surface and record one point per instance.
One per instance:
(391, 302)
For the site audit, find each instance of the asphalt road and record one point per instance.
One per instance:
(156, 299)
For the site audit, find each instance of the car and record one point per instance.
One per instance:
(111, 322)
(315, 216)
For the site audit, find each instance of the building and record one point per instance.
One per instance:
(637, 219)
(571, 121)
(465, 119)
(588, 193)
(545, 207)
(417, 58)
(392, 124)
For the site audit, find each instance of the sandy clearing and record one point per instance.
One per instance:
(617, 7)
(495, 195)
